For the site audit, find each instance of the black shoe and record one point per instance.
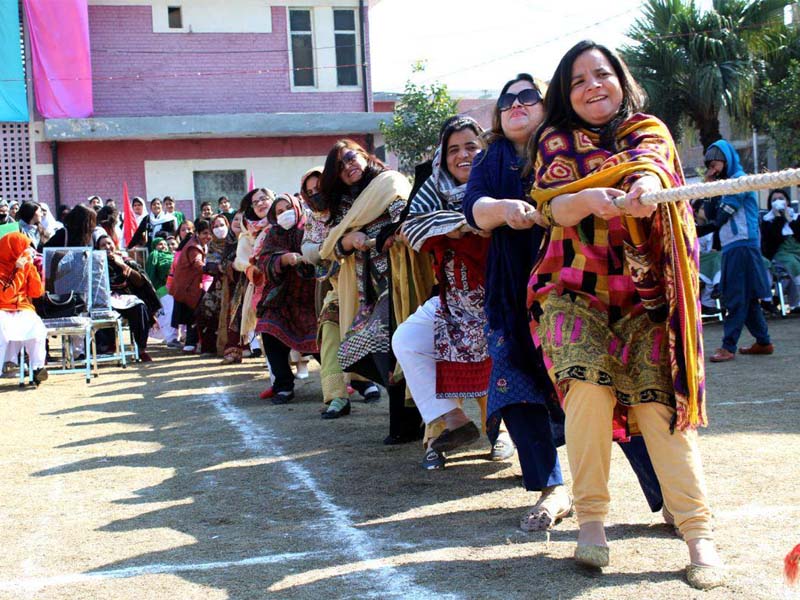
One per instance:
(255, 353)
(332, 413)
(40, 375)
(433, 460)
(462, 436)
(394, 439)
(369, 390)
(283, 397)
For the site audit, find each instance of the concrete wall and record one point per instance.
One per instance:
(138, 72)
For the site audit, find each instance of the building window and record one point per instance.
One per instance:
(174, 17)
(302, 48)
(210, 185)
(344, 26)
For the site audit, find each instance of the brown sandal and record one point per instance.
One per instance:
(544, 515)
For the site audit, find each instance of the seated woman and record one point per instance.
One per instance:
(132, 294)
(442, 346)
(286, 316)
(20, 326)
(187, 283)
(615, 298)
(780, 239)
(365, 199)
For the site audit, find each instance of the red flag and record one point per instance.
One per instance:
(252, 185)
(129, 221)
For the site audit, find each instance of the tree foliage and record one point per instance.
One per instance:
(692, 63)
(779, 114)
(413, 131)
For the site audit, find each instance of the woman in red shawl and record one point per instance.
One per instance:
(20, 326)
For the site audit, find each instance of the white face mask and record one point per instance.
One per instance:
(287, 219)
(220, 232)
(779, 205)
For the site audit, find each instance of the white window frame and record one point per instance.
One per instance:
(357, 53)
(314, 54)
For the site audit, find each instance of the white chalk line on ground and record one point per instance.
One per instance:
(38, 583)
(258, 439)
(748, 402)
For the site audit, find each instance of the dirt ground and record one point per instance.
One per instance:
(172, 480)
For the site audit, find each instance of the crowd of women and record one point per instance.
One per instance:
(507, 275)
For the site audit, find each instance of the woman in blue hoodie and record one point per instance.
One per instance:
(744, 279)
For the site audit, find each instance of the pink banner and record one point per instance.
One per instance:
(62, 64)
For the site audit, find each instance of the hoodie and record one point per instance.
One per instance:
(741, 229)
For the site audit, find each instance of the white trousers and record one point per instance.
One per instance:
(22, 328)
(412, 344)
(165, 329)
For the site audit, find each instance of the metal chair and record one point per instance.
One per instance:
(68, 270)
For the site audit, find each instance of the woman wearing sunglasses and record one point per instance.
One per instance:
(520, 391)
(365, 200)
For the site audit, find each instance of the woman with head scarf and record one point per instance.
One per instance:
(286, 316)
(442, 346)
(132, 294)
(379, 283)
(780, 239)
(615, 298)
(154, 223)
(20, 283)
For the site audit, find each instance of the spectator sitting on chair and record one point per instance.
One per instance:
(132, 294)
(79, 223)
(780, 237)
(20, 326)
(744, 279)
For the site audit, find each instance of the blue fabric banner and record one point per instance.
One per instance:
(13, 100)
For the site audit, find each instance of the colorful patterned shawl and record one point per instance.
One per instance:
(568, 162)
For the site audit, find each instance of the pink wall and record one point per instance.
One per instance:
(123, 46)
(88, 168)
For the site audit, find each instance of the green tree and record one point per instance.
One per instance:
(413, 131)
(693, 63)
(779, 114)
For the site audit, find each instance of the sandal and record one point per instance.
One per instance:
(547, 512)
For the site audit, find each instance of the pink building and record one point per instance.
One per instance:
(192, 98)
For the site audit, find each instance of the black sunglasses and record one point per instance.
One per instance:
(347, 157)
(527, 97)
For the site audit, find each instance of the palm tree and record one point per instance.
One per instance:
(694, 63)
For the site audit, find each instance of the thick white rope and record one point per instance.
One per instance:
(748, 183)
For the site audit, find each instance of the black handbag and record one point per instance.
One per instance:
(59, 306)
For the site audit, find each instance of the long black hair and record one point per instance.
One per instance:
(559, 112)
(79, 225)
(331, 185)
(26, 211)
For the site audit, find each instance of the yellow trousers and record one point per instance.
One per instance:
(675, 456)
